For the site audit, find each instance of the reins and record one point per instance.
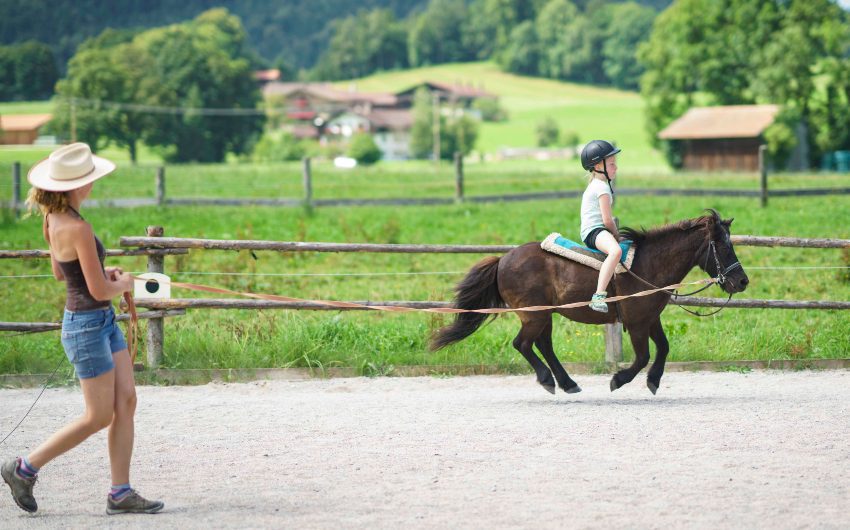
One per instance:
(720, 279)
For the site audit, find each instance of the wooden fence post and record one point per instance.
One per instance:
(308, 181)
(16, 188)
(614, 335)
(458, 177)
(156, 332)
(160, 186)
(763, 171)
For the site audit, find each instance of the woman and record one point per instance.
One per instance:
(90, 336)
(598, 230)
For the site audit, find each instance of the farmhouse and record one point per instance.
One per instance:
(727, 138)
(20, 129)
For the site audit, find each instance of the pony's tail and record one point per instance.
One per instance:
(478, 290)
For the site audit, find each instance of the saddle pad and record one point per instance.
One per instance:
(558, 244)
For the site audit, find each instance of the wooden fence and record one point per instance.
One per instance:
(161, 198)
(157, 247)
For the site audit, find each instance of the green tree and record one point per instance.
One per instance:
(459, 136)
(421, 133)
(547, 132)
(630, 24)
(559, 27)
(201, 64)
(364, 149)
(792, 53)
(361, 44)
(522, 54)
(436, 36)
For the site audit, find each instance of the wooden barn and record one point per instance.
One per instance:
(20, 129)
(722, 138)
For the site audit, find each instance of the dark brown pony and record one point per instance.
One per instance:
(529, 276)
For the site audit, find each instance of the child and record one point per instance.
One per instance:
(90, 336)
(598, 230)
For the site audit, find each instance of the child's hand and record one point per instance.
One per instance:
(113, 272)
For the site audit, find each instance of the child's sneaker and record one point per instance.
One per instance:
(597, 304)
(132, 503)
(21, 487)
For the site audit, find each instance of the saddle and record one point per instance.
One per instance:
(558, 244)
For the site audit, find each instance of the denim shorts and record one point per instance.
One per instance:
(90, 338)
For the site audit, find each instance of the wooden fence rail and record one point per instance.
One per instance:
(157, 247)
(161, 199)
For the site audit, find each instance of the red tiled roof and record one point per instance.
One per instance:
(23, 122)
(734, 121)
(328, 92)
(395, 119)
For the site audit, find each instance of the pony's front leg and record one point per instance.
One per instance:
(662, 347)
(640, 343)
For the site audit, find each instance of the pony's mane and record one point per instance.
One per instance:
(644, 235)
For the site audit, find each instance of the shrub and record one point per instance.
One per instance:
(363, 149)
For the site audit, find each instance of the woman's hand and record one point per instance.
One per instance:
(113, 272)
(125, 279)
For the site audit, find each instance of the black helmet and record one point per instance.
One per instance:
(595, 151)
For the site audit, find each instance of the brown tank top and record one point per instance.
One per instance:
(79, 297)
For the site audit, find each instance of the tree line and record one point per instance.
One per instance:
(28, 71)
(584, 41)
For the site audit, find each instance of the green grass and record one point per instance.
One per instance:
(26, 107)
(373, 342)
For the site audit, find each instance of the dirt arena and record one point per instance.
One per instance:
(764, 449)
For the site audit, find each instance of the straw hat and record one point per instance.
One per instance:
(68, 168)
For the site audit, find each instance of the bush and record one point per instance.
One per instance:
(490, 109)
(363, 149)
(547, 133)
(276, 146)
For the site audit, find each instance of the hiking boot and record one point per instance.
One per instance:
(132, 503)
(597, 304)
(21, 487)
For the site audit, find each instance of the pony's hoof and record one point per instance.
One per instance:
(573, 390)
(614, 385)
(652, 387)
(550, 389)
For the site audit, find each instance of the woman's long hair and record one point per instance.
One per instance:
(45, 202)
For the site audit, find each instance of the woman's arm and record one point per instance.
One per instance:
(608, 216)
(57, 270)
(100, 287)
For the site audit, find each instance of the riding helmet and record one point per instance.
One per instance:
(596, 151)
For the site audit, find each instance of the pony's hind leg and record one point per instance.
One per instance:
(544, 344)
(640, 343)
(662, 347)
(524, 342)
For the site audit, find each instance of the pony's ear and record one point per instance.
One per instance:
(728, 222)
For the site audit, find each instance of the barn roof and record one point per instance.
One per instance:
(23, 122)
(734, 121)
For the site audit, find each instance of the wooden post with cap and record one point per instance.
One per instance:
(155, 332)
(458, 176)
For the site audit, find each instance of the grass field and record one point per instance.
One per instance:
(375, 342)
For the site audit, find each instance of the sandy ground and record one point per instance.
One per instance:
(711, 450)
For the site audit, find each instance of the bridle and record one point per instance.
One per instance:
(720, 279)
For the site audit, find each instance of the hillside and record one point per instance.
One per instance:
(590, 111)
(295, 31)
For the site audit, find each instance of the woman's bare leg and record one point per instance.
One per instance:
(98, 394)
(121, 431)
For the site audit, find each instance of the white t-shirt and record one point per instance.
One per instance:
(591, 214)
